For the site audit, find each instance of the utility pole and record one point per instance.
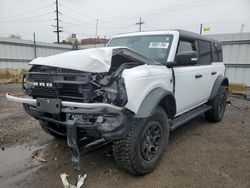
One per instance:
(140, 23)
(75, 43)
(96, 29)
(201, 27)
(34, 43)
(105, 40)
(242, 28)
(58, 28)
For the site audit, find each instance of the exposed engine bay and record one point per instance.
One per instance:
(71, 85)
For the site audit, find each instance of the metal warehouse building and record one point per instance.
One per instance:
(16, 53)
(236, 55)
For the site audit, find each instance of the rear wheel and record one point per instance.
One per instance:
(218, 104)
(142, 149)
(53, 129)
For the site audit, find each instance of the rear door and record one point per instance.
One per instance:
(208, 71)
(210, 59)
(217, 65)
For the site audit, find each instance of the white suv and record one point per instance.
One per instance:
(132, 92)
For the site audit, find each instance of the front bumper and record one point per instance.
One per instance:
(33, 102)
(113, 128)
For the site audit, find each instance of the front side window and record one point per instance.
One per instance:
(205, 54)
(155, 47)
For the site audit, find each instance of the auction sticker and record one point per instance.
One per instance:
(158, 45)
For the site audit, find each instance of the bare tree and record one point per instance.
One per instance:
(15, 36)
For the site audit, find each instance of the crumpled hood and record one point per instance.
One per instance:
(89, 60)
(94, 60)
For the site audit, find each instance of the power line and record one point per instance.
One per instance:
(166, 10)
(90, 9)
(21, 22)
(28, 12)
(77, 12)
(85, 23)
(25, 4)
(75, 15)
(76, 19)
(156, 11)
(92, 26)
(30, 18)
(79, 25)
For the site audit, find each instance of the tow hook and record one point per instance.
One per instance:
(73, 143)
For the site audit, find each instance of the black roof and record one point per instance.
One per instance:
(191, 35)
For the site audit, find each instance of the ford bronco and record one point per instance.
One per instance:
(132, 92)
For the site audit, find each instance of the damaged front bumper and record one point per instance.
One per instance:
(110, 122)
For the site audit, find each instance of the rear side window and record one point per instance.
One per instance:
(217, 52)
(185, 46)
(205, 54)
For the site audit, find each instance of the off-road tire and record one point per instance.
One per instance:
(53, 130)
(128, 152)
(215, 114)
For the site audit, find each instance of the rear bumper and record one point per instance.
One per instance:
(112, 123)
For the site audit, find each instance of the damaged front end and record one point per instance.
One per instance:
(51, 85)
(80, 104)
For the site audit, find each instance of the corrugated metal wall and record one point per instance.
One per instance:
(236, 54)
(16, 53)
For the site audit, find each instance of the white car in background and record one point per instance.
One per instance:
(133, 92)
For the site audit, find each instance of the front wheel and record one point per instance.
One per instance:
(142, 149)
(218, 104)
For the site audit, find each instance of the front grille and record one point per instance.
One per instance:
(38, 91)
(65, 86)
(39, 77)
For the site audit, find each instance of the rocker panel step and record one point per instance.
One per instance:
(184, 118)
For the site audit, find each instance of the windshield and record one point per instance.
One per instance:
(155, 47)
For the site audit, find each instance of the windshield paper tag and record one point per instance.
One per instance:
(158, 45)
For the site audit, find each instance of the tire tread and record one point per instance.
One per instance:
(124, 149)
(213, 114)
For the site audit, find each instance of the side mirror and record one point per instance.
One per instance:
(186, 58)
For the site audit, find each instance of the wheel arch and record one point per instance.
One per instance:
(157, 96)
(220, 81)
(168, 104)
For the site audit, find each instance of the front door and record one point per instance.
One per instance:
(190, 81)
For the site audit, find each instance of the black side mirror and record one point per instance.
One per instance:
(186, 58)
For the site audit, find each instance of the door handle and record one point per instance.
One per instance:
(198, 75)
(213, 73)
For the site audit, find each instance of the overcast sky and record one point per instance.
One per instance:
(23, 17)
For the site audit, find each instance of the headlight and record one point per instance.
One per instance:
(111, 92)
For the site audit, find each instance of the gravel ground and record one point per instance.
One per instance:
(199, 154)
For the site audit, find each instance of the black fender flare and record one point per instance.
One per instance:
(220, 80)
(152, 100)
